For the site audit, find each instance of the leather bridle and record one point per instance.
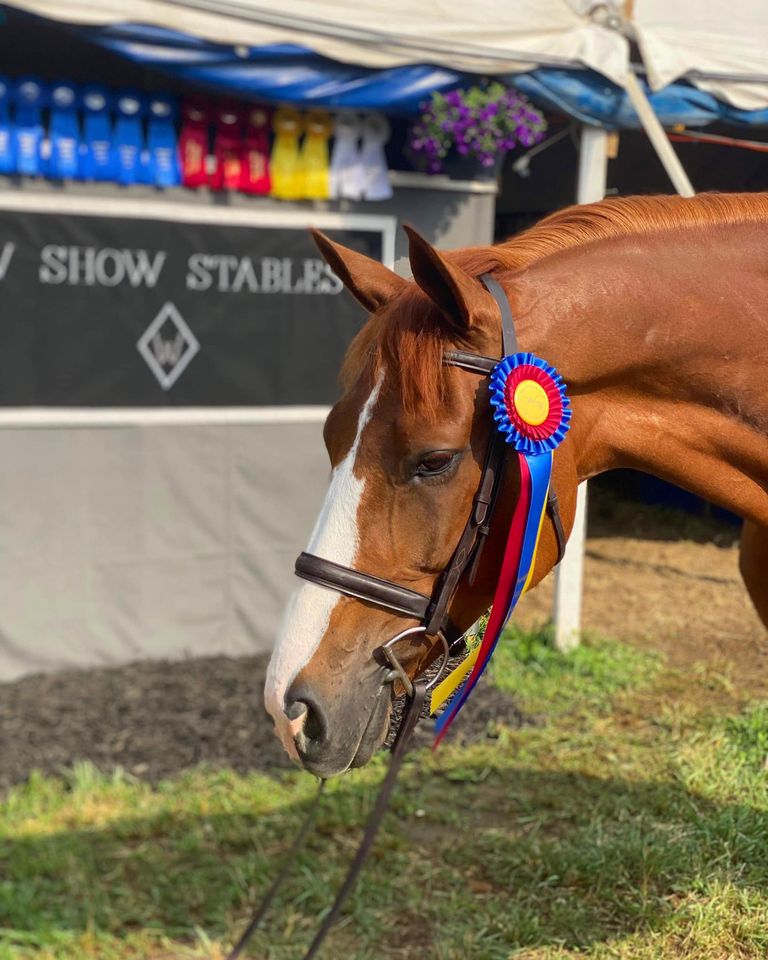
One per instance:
(433, 611)
(430, 611)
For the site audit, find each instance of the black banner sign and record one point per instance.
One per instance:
(106, 311)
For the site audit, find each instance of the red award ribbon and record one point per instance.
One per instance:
(193, 143)
(227, 149)
(254, 169)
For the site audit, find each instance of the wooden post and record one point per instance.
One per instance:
(593, 166)
(659, 139)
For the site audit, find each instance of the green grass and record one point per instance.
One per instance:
(527, 665)
(748, 736)
(630, 822)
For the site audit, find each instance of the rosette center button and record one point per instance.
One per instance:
(531, 402)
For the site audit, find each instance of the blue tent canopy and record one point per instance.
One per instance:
(287, 73)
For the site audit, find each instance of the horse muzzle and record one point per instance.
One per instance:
(342, 722)
(332, 733)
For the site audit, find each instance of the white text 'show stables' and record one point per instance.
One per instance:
(76, 266)
(231, 274)
(99, 266)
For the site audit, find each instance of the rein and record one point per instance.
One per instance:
(408, 723)
(432, 612)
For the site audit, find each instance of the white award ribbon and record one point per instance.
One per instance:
(375, 131)
(346, 170)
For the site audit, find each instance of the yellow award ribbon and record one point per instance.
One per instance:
(285, 162)
(315, 156)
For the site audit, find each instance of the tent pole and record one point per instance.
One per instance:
(590, 186)
(660, 141)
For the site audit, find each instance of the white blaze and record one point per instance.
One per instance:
(309, 610)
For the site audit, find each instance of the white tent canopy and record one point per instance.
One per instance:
(723, 47)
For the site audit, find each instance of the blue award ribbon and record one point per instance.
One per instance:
(532, 412)
(162, 143)
(64, 133)
(27, 134)
(7, 161)
(129, 138)
(99, 159)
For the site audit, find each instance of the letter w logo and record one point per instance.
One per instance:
(168, 352)
(167, 357)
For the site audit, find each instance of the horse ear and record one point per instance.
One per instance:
(453, 291)
(370, 282)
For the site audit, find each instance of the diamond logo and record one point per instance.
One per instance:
(168, 345)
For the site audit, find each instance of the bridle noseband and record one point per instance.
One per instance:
(432, 611)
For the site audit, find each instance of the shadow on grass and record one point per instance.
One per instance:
(519, 858)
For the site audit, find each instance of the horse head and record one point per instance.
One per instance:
(407, 442)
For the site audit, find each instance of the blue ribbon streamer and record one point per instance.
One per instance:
(541, 474)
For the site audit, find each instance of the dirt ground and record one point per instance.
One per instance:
(667, 581)
(156, 719)
(661, 579)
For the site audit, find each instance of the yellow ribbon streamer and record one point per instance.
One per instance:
(447, 687)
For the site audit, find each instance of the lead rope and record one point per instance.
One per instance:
(286, 864)
(399, 749)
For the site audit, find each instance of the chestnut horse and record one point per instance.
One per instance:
(655, 312)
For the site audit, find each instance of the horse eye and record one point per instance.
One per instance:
(434, 463)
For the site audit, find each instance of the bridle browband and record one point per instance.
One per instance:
(432, 611)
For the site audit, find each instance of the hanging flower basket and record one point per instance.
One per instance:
(473, 130)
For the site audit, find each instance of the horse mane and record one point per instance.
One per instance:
(408, 334)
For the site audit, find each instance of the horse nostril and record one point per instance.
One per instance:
(300, 702)
(297, 717)
(314, 726)
(296, 710)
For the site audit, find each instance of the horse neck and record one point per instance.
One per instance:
(663, 341)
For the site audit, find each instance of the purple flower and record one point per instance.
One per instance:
(484, 121)
(525, 136)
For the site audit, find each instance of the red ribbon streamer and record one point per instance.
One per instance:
(502, 598)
